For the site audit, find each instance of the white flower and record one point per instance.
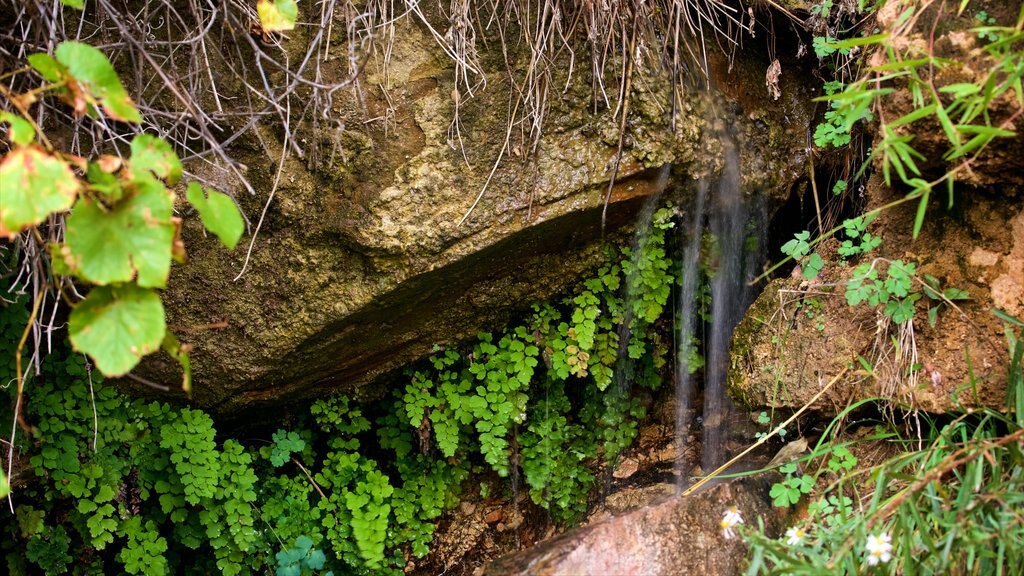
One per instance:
(795, 536)
(729, 521)
(879, 549)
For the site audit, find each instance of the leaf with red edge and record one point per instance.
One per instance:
(132, 240)
(33, 185)
(95, 81)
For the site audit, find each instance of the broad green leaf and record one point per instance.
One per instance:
(218, 213)
(116, 326)
(33, 184)
(277, 15)
(5, 487)
(95, 75)
(21, 132)
(79, 4)
(152, 154)
(47, 67)
(135, 236)
(956, 294)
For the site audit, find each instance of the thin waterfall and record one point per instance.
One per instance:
(688, 312)
(728, 223)
(731, 259)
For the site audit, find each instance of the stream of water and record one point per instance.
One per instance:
(728, 258)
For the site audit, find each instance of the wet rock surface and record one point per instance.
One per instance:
(372, 251)
(673, 536)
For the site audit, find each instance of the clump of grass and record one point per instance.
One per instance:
(950, 507)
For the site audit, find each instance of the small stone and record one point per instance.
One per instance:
(494, 516)
(467, 508)
(514, 520)
(982, 257)
(626, 468)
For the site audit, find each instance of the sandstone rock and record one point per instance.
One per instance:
(675, 536)
(370, 253)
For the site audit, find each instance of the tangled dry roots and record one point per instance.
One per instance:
(204, 76)
(172, 54)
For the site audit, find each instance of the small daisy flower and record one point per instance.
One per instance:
(795, 536)
(729, 521)
(879, 549)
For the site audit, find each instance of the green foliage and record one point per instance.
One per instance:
(218, 213)
(939, 298)
(798, 249)
(893, 289)
(949, 508)
(301, 559)
(157, 493)
(143, 553)
(285, 443)
(121, 234)
(961, 110)
(479, 402)
(193, 453)
(86, 79)
(858, 241)
(277, 15)
(985, 32)
(789, 491)
(117, 326)
(555, 454)
(33, 185)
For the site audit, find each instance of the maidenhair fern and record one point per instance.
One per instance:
(140, 487)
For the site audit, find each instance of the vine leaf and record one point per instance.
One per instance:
(88, 80)
(21, 131)
(277, 15)
(116, 326)
(136, 235)
(33, 184)
(218, 213)
(152, 154)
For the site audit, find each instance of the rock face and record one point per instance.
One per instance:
(676, 536)
(798, 334)
(952, 355)
(373, 248)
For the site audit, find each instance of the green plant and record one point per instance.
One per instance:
(947, 508)
(987, 22)
(939, 298)
(121, 234)
(798, 249)
(284, 445)
(960, 109)
(792, 487)
(301, 559)
(858, 241)
(894, 290)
